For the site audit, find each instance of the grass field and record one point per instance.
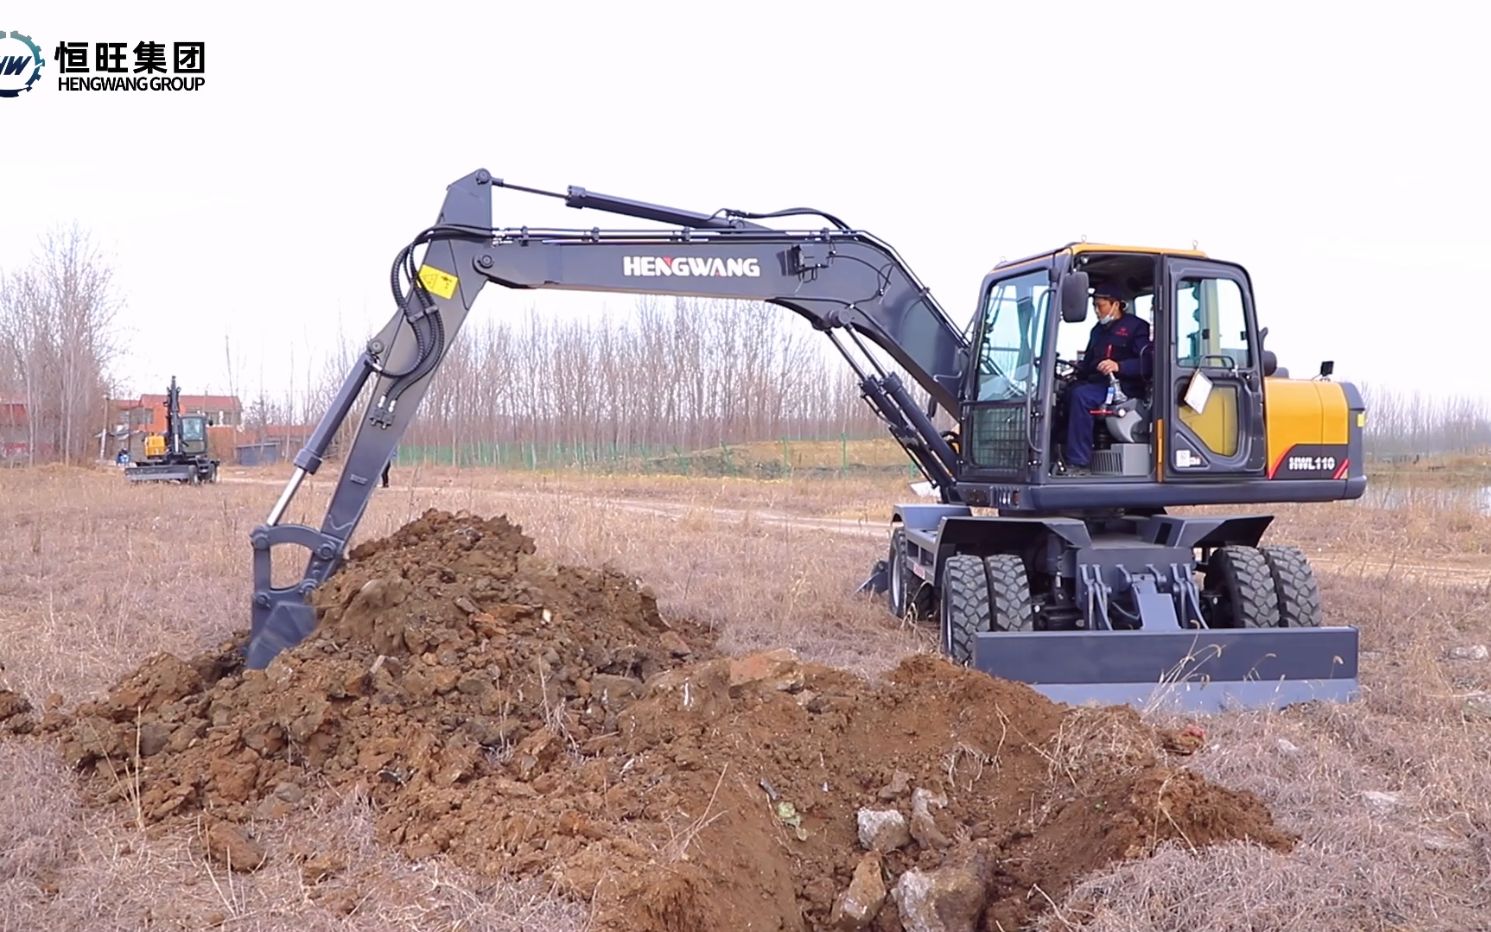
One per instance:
(1389, 793)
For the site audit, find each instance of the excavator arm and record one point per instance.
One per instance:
(847, 283)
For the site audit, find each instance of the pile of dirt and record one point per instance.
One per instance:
(522, 718)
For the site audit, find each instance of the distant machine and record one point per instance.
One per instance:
(179, 454)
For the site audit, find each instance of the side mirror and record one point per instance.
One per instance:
(1326, 368)
(1074, 297)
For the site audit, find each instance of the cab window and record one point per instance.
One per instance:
(1211, 327)
(1009, 347)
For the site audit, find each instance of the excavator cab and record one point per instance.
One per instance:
(1197, 413)
(193, 434)
(1122, 424)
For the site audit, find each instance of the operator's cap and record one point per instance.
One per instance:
(1111, 290)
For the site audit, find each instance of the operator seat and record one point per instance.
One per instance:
(1130, 421)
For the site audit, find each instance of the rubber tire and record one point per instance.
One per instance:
(922, 602)
(1294, 584)
(963, 609)
(1011, 606)
(895, 574)
(1242, 574)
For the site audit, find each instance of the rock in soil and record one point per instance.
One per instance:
(949, 898)
(231, 846)
(882, 830)
(861, 903)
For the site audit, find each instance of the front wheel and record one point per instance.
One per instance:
(1294, 585)
(895, 573)
(964, 606)
(1010, 606)
(1242, 588)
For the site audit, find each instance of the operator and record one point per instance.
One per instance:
(1119, 344)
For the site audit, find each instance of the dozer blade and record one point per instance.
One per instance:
(1192, 671)
(159, 473)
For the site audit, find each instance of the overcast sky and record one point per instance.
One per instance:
(1337, 150)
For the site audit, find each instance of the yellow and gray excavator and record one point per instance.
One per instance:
(180, 453)
(1079, 582)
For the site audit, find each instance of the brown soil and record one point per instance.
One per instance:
(520, 718)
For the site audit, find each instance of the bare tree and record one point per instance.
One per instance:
(57, 317)
(679, 373)
(23, 321)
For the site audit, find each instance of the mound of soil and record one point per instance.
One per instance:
(518, 717)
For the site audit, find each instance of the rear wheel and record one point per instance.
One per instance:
(964, 606)
(1294, 586)
(1242, 589)
(895, 573)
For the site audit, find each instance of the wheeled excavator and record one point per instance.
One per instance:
(1083, 584)
(180, 453)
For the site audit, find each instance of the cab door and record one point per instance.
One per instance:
(1214, 426)
(1006, 389)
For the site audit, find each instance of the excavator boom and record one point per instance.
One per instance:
(841, 280)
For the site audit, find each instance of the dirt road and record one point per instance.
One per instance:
(1460, 572)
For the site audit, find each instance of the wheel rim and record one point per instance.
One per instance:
(897, 582)
(945, 624)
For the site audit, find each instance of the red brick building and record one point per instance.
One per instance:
(148, 412)
(15, 431)
(146, 415)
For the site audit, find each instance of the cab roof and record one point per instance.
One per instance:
(1078, 248)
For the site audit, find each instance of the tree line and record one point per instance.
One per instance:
(673, 374)
(1401, 423)
(687, 374)
(57, 341)
(682, 374)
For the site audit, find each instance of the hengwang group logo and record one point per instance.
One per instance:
(20, 63)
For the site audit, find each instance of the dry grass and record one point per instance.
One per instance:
(101, 575)
(64, 868)
(1447, 468)
(1388, 795)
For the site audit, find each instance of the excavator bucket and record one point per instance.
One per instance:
(1207, 670)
